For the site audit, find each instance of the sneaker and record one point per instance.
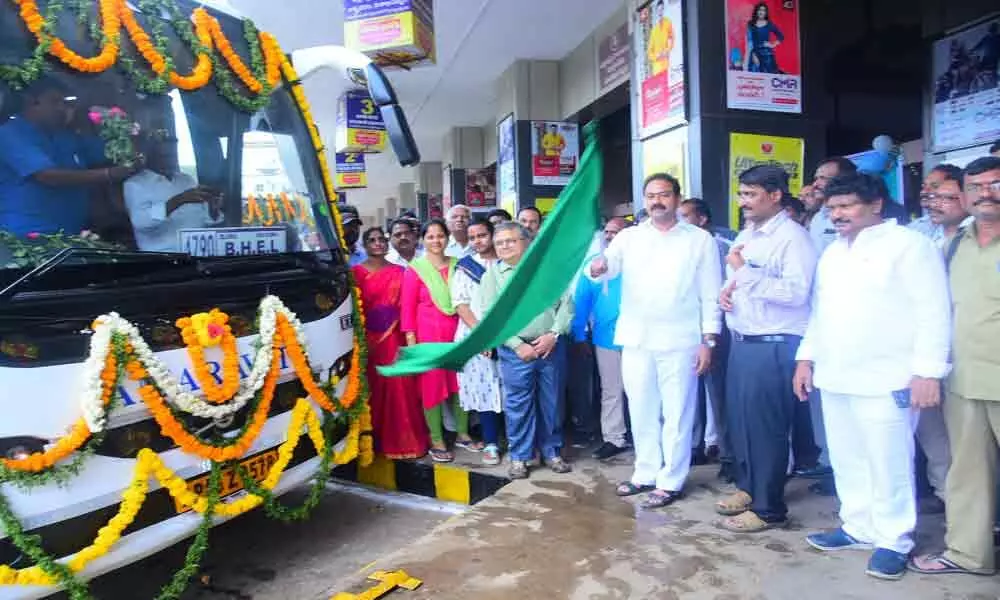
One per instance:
(558, 465)
(518, 469)
(887, 564)
(607, 450)
(491, 455)
(837, 539)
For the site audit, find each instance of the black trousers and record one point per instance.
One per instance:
(760, 407)
(582, 388)
(713, 383)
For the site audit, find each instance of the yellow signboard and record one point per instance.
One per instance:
(667, 153)
(749, 150)
(359, 125)
(395, 35)
(349, 171)
(545, 205)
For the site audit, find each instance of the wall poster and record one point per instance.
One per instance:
(763, 55)
(506, 162)
(966, 93)
(555, 152)
(749, 150)
(666, 153)
(659, 48)
(481, 187)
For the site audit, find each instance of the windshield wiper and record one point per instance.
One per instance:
(112, 256)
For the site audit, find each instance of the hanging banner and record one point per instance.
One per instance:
(350, 171)
(659, 45)
(966, 92)
(667, 153)
(393, 33)
(506, 162)
(555, 152)
(749, 150)
(481, 187)
(613, 60)
(359, 125)
(764, 70)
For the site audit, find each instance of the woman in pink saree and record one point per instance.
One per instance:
(398, 422)
(428, 316)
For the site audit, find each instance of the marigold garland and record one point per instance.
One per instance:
(150, 466)
(207, 38)
(197, 337)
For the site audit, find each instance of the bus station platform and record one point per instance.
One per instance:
(569, 536)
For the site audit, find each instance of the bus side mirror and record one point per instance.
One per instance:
(400, 135)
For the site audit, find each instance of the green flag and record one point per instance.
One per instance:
(541, 277)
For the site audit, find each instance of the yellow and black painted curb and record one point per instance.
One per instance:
(447, 482)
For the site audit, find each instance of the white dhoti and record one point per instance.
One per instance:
(662, 391)
(871, 446)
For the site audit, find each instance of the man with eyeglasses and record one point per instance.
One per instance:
(941, 195)
(668, 327)
(972, 409)
(531, 363)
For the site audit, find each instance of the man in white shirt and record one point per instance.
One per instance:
(821, 227)
(161, 200)
(403, 236)
(766, 299)
(458, 219)
(878, 339)
(668, 325)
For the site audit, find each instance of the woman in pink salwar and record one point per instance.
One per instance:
(428, 316)
(399, 428)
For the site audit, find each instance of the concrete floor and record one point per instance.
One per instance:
(257, 558)
(569, 536)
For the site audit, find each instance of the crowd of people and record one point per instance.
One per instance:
(825, 340)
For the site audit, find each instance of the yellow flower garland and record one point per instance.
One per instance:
(150, 465)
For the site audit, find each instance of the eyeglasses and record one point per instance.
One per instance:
(507, 242)
(978, 188)
(941, 198)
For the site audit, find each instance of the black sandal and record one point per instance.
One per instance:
(659, 499)
(441, 456)
(627, 488)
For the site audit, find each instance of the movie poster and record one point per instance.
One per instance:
(555, 152)
(659, 47)
(749, 150)
(763, 55)
(481, 187)
(965, 86)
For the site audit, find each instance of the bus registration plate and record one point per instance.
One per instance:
(232, 241)
(257, 466)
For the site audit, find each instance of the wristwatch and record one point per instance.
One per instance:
(710, 341)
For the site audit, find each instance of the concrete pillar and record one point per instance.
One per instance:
(463, 148)
(428, 180)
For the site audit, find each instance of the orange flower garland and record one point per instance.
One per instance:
(173, 429)
(78, 435)
(298, 357)
(115, 13)
(110, 27)
(214, 392)
(200, 74)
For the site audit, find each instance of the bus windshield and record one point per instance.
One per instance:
(93, 161)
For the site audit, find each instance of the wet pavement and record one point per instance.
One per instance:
(568, 536)
(256, 558)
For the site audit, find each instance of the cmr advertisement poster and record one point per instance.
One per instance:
(555, 152)
(749, 150)
(659, 51)
(764, 61)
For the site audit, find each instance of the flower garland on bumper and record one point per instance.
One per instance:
(116, 351)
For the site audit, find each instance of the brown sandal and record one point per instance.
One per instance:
(735, 504)
(748, 522)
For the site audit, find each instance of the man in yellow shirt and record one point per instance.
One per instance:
(553, 143)
(661, 41)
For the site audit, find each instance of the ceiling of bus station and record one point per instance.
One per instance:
(476, 41)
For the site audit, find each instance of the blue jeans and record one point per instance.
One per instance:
(532, 403)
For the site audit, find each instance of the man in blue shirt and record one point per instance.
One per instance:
(597, 305)
(46, 170)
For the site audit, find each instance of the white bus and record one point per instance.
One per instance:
(153, 268)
